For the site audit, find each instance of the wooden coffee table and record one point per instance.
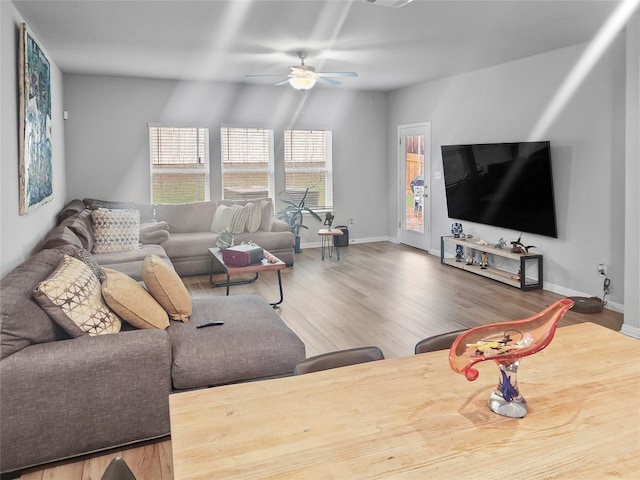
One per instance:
(413, 417)
(256, 269)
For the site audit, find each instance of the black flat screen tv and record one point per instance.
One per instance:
(506, 185)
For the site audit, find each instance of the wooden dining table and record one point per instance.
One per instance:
(413, 417)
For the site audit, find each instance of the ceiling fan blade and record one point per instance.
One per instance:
(281, 83)
(258, 75)
(338, 74)
(327, 81)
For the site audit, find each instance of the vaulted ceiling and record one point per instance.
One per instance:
(389, 47)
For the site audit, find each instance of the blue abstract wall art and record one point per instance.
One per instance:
(36, 155)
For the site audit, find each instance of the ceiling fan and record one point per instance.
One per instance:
(304, 77)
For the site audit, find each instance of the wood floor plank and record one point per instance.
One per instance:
(380, 294)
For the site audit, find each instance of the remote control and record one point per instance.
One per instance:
(209, 323)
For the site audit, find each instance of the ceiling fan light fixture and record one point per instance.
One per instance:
(302, 83)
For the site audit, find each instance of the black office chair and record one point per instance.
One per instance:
(438, 342)
(118, 470)
(340, 358)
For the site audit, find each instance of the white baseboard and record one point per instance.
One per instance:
(616, 307)
(352, 241)
(630, 331)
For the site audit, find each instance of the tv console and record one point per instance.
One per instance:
(517, 278)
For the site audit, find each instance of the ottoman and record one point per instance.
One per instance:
(252, 344)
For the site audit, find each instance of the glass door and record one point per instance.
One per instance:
(414, 162)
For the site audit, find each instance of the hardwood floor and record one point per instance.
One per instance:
(377, 294)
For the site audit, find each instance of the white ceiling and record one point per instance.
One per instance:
(221, 40)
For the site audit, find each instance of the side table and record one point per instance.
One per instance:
(327, 235)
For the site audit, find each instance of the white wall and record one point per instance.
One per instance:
(20, 234)
(107, 138)
(504, 103)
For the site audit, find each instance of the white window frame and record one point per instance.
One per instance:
(327, 169)
(245, 156)
(202, 158)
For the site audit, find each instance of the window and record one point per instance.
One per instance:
(247, 163)
(179, 164)
(307, 164)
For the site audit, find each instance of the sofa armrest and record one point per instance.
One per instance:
(279, 225)
(66, 398)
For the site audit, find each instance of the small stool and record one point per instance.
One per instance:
(327, 235)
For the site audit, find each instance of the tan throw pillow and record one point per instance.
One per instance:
(72, 297)
(253, 221)
(115, 230)
(167, 288)
(132, 302)
(222, 218)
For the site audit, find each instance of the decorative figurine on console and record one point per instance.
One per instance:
(456, 230)
(519, 247)
(501, 243)
(484, 261)
(459, 253)
(469, 257)
(328, 220)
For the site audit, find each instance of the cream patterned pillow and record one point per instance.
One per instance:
(239, 219)
(115, 230)
(255, 217)
(72, 297)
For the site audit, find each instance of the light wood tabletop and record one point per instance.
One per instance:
(413, 417)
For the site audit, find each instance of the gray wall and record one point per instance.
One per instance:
(107, 137)
(20, 234)
(632, 191)
(504, 103)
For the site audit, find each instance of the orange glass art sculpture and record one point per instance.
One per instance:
(506, 343)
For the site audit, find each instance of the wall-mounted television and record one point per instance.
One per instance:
(506, 185)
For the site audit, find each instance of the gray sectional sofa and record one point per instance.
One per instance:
(63, 397)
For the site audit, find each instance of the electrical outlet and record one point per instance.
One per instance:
(351, 222)
(601, 269)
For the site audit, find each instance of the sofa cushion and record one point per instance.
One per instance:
(253, 343)
(155, 237)
(70, 209)
(147, 211)
(181, 245)
(132, 302)
(22, 321)
(167, 288)
(186, 217)
(81, 224)
(59, 237)
(115, 230)
(222, 218)
(72, 297)
(154, 232)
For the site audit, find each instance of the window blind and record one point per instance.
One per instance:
(179, 164)
(247, 163)
(308, 164)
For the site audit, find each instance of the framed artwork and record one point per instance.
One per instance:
(35, 169)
